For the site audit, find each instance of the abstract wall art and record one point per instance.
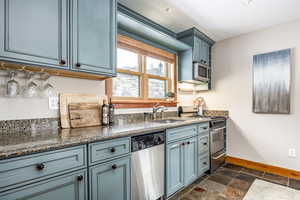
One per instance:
(271, 82)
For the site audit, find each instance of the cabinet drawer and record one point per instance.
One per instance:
(17, 171)
(203, 129)
(203, 164)
(181, 132)
(101, 151)
(203, 145)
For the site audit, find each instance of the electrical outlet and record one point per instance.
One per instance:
(53, 103)
(292, 152)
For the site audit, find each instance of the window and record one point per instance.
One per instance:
(145, 75)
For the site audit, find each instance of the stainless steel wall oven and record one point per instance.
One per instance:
(217, 142)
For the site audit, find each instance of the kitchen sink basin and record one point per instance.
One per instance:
(167, 121)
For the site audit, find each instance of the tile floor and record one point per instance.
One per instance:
(230, 182)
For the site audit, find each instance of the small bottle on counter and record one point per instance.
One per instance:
(111, 112)
(105, 113)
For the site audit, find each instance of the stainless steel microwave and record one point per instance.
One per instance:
(201, 72)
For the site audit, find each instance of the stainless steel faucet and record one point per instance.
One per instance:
(157, 108)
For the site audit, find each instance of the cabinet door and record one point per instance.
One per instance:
(68, 187)
(34, 32)
(205, 52)
(174, 167)
(111, 181)
(94, 36)
(190, 160)
(197, 56)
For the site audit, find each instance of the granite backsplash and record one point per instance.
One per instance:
(36, 125)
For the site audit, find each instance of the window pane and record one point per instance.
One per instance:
(125, 85)
(157, 88)
(127, 60)
(155, 66)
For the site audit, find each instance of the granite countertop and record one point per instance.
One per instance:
(17, 144)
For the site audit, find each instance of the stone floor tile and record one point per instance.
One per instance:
(227, 172)
(233, 167)
(294, 184)
(206, 195)
(222, 179)
(234, 194)
(212, 186)
(252, 172)
(245, 177)
(276, 179)
(240, 184)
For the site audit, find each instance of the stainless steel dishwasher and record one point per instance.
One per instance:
(147, 166)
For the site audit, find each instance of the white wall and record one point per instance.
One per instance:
(258, 137)
(29, 108)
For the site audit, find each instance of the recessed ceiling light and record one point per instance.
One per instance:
(247, 2)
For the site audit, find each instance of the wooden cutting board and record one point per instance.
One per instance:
(68, 98)
(84, 114)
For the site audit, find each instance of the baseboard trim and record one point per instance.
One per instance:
(264, 167)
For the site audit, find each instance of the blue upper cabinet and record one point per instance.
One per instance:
(200, 43)
(67, 34)
(199, 53)
(94, 36)
(34, 32)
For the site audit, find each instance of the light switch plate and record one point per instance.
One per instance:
(53, 103)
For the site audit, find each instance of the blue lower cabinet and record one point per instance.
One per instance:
(111, 180)
(174, 167)
(203, 164)
(190, 160)
(181, 164)
(71, 186)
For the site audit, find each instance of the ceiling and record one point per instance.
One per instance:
(219, 19)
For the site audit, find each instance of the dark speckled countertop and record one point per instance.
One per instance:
(17, 144)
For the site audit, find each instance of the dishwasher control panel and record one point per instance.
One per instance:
(146, 141)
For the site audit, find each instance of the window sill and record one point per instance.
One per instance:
(142, 103)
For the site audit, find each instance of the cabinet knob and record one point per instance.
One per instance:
(204, 128)
(113, 150)
(204, 163)
(40, 166)
(183, 144)
(114, 166)
(77, 65)
(62, 62)
(188, 142)
(79, 178)
(204, 143)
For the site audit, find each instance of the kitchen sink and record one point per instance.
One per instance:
(167, 121)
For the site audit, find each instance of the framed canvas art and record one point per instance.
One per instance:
(271, 82)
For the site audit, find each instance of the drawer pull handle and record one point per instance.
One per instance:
(113, 150)
(40, 166)
(114, 166)
(205, 143)
(79, 178)
(62, 62)
(204, 163)
(204, 128)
